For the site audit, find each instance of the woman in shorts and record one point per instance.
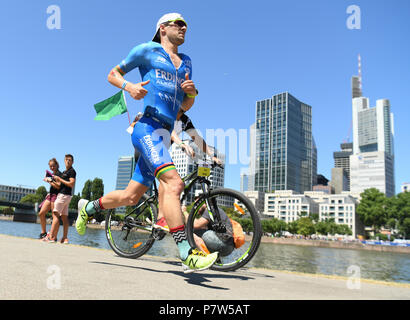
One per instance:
(48, 203)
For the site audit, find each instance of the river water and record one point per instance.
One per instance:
(385, 266)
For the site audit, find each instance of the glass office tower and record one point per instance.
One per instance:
(126, 167)
(284, 145)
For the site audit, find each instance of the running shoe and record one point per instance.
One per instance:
(161, 224)
(198, 261)
(48, 239)
(42, 235)
(64, 241)
(82, 218)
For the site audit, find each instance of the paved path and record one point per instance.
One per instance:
(31, 269)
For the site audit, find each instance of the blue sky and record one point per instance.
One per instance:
(241, 51)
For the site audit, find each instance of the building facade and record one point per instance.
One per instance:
(125, 170)
(288, 206)
(342, 209)
(372, 170)
(284, 148)
(373, 146)
(14, 194)
(185, 165)
(342, 160)
(258, 200)
(340, 181)
(244, 182)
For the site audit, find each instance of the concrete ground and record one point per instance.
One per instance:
(31, 269)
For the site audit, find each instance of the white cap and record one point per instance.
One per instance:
(169, 17)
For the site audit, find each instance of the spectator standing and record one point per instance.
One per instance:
(62, 202)
(48, 203)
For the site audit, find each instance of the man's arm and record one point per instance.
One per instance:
(202, 145)
(69, 183)
(190, 93)
(55, 184)
(136, 90)
(187, 148)
(201, 223)
(135, 59)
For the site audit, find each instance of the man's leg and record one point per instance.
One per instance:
(169, 191)
(64, 217)
(55, 225)
(118, 198)
(65, 226)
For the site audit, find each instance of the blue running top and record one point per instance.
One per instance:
(164, 89)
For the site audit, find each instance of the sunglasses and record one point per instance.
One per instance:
(178, 23)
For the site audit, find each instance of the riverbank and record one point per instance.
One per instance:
(336, 244)
(300, 242)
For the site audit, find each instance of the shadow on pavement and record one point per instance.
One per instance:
(197, 278)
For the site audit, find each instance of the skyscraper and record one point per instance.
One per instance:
(372, 161)
(126, 166)
(372, 127)
(285, 152)
(244, 182)
(342, 160)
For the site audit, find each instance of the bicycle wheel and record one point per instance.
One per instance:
(132, 238)
(239, 208)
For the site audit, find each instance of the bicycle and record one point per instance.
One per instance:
(136, 235)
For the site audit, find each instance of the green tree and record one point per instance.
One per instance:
(74, 201)
(372, 208)
(314, 217)
(8, 211)
(404, 228)
(266, 225)
(37, 197)
(399, 212)
(305, 226)
(333, 227)
(97, 189)
(42, 192)
(344, 229)
(322, 227)
(86, 192)
(293, 227)
(246, 224)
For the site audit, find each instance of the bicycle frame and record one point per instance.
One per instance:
(190, 180)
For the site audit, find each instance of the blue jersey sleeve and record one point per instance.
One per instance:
(188, 65)
(136, 58)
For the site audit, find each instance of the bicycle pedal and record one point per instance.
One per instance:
(158, 234)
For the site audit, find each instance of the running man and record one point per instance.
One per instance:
(166, 87)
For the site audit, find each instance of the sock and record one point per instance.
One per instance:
(94, 207)
(181, 240)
